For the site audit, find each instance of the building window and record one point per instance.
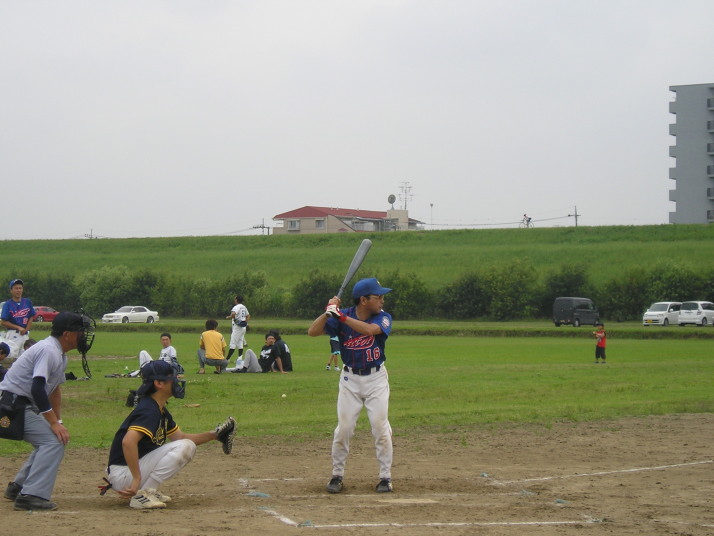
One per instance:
(293, 225)
(319, 224)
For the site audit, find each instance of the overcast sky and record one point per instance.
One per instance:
(203, 117)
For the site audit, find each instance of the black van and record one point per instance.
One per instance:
(575, 311)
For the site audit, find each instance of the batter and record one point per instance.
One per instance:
(362, 331)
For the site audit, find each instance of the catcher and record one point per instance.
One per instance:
(140, 458)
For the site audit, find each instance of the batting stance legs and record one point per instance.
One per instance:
(372, 392)
(156, 467)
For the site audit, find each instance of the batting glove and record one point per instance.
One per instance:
(334, 312)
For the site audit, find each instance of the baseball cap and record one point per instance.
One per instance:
(4, 348)
(16, 282)
(67, 321)
(157, 370)
(365, 287)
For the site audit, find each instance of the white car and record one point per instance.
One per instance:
(699, 313)
(131, 313)
(662, 314)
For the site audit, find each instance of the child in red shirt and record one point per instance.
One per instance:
(601, 337)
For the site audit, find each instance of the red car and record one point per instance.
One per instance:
(45, 314)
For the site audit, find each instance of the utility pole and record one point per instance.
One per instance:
(262, 226)
(575, 215)
(405, 195)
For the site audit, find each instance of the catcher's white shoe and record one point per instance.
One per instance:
(144, 500)
(158, 495)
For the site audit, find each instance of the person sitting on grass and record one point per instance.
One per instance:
(212, 349)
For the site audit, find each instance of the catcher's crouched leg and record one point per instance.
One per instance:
(156, 467)
(176, 456)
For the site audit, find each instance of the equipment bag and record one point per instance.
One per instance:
(12, 416)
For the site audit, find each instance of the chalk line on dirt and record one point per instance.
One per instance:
(602, 473)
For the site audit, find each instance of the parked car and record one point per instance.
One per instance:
(662, 314)
(44, 314)
(575, 311)
(131, 313)
(699, 313)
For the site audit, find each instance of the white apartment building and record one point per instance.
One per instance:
(693, 173)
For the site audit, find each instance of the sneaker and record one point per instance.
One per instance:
(158, 495)
(145, 500)
(31, 502)
(335, 485)
(338, 369)
(385, 486)
(12, 491)
(327, 367)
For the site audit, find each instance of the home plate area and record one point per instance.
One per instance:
(635, 476)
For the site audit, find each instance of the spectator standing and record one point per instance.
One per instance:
(239, 323)
(17, 315)
(600, 343)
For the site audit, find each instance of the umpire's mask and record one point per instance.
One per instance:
(85, 341)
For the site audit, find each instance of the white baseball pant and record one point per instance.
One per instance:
(156, 467)
(372, 392)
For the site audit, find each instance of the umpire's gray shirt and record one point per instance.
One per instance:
(44, 359)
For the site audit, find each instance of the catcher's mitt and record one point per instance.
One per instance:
(225, 432)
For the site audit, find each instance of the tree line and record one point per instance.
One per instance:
(516, 291)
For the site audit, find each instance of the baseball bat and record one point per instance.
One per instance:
(355, 264)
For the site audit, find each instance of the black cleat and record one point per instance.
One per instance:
(12, 491)
(30, 502)
(335, 485)
(385, 486)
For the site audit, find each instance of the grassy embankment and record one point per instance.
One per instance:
(436, 257)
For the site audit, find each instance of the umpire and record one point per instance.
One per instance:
(33, 382)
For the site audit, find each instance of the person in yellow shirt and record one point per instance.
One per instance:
(212, 349)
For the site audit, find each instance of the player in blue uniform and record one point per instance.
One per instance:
(16, 317)
(362, 330)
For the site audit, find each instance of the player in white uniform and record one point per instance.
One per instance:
(167, 353)
(362, 331)
(239, 316)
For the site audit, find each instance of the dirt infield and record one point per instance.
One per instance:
(635, 476)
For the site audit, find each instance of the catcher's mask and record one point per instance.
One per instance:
(162, 371)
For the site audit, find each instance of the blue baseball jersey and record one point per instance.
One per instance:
(357, 350)
(18, 313)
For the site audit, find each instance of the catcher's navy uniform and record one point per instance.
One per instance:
(147, 418)
(159, 460)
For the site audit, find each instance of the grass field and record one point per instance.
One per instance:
(442, 384)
